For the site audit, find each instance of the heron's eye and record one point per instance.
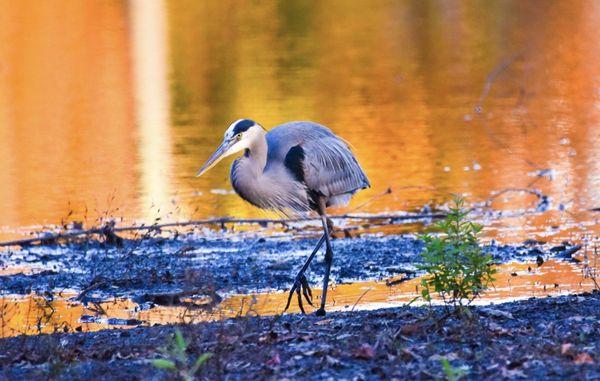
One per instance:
(238, 137)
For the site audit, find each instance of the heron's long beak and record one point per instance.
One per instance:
(216, 157)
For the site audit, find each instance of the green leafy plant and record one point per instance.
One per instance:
(452, 373)
(176, 358)
(456, 267)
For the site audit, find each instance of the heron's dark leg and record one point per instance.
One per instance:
(301, 286)
(327, 226)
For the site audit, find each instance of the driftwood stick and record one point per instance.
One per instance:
(215, 221)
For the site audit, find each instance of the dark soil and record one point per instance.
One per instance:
(551, 338)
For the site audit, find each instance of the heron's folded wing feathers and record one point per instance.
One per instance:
(316, 156)
(330, 168)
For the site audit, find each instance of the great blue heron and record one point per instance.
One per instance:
(295, 167)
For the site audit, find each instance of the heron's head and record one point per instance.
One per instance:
(239, 136)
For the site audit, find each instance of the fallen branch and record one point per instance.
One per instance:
(109, 231)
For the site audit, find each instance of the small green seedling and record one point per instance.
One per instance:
(456, 267)
(176, 359)
(452, 373)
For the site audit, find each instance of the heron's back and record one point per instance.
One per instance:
(315, 156)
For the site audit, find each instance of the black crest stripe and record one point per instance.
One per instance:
(242, 125)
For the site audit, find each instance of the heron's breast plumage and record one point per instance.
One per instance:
(273, 189)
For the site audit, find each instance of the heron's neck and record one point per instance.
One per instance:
(255, 156)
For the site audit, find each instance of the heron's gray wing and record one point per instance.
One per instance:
(282, 138)
(317, 157)
(330, 168)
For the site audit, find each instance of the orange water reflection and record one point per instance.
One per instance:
(111, 106)
(67, 119)
(35, 314)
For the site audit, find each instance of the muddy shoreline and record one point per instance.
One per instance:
(170, 264)
(512, 340)
(547, 338)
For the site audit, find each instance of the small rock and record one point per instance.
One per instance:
(497, 313)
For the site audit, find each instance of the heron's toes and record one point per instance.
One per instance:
(300, 287)
(306, 290)
(289, 300)
(300, 301)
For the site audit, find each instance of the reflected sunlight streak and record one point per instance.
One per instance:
(150, 67)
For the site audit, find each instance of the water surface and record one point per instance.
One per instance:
(110, 107)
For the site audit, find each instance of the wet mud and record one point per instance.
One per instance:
(222, 264)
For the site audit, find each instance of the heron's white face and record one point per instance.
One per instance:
(238, 137)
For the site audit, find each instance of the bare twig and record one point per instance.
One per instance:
(359, 299)
(386, 192)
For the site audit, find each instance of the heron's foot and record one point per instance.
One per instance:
(320, 312)
(301, 288)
